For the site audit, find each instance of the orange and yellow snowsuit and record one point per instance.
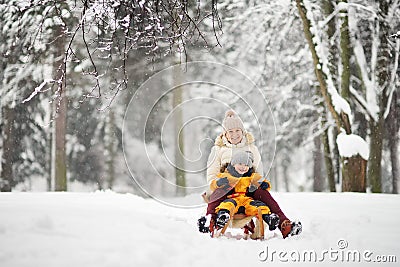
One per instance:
(238, 201)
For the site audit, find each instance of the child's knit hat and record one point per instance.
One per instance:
(232, 121)
(243, 157)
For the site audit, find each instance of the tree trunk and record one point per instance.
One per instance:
(7, 177)
(393, 142)
(328, 9)
(354, 176)
(285, 167)
(330, 173)
(61, 116)
(178, 133)
(383, 76)
(328, 160)
(60, 156)
(273, 173)
(354, 168)
(110, 148)
(318, 184)
(345, 53)
(336, 156)
(375, 156)
(50, 152)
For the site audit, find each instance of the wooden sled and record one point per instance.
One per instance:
(251, 229)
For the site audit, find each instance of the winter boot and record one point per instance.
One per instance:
(222, 218)
(289, 228)
(204, 224)
(272, 220)
(296, 228)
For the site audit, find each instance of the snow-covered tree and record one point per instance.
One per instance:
(377, 56)
(364, 31)
(23, 125)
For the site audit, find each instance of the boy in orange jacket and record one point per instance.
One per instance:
(240, 187)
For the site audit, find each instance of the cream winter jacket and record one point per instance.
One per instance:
(222, 151)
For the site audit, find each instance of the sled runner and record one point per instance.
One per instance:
(254, 230)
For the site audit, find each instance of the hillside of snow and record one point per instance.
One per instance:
(110, 229)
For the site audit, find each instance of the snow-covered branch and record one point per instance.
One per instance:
(38, 89)
(361, 100)
(396, 35)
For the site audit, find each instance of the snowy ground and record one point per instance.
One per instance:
(109, 229)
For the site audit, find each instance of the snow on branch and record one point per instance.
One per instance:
(351, 145)
(37, 90)
(396, 35)
(339, 7)
(361, 100)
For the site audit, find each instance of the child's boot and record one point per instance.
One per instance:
(289, 228)
(204, 224)
(272, 220)
(222, 218)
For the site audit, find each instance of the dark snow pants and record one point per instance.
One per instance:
(259, 194)
(266, 197)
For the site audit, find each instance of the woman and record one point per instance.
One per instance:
(234, 139)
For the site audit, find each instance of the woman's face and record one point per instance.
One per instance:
(241, 168)
(234, 135)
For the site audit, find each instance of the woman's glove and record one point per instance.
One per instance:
(266, 185)
(252, 188)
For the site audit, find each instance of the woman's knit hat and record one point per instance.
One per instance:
(232, 121)
(243, 157)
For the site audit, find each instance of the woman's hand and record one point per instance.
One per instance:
(266, 185)
(252, 188)
(222, 182)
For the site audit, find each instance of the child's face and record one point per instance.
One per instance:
(234, 135)
(241, 168)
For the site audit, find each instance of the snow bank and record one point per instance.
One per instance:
(109, 229)
(350, 145)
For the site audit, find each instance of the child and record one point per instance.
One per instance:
(238, 182)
